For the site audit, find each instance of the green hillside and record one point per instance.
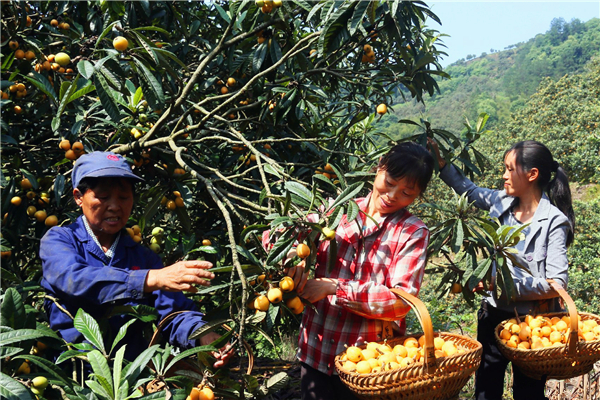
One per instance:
(501, 82)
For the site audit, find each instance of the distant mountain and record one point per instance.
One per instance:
(500, 83)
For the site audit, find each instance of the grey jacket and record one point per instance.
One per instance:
(545, 249)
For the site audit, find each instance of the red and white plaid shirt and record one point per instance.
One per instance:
(391, 254)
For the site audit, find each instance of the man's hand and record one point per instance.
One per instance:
(179, 276)
(223, 355)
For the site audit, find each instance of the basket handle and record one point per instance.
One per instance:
(425, 320)
(573, 335)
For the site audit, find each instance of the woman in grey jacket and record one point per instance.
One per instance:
(536, 192)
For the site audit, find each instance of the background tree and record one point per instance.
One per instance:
(231, 111)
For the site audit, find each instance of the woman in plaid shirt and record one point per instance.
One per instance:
(352, 300)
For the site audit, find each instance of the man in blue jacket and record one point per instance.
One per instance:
(95, 265)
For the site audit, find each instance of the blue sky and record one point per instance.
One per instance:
(478, 26)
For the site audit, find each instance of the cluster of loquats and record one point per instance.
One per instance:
(42, 200)
(135, 232)
(143, 126)
(157, 238)
(275, 295)
(60, 25)
(56, 63)
(224, 87)
(378, 357)
(267, 6)
(368, 54)
(327, 172)
(72, 151)
(541, 332)
(177, 200)
(201, 392)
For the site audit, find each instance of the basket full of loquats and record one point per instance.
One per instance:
(554, 345)
(428, 366)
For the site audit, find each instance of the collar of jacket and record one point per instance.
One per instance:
(81, 234)
(542, 213)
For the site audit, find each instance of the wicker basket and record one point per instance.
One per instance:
(433, 379)
(563, 362)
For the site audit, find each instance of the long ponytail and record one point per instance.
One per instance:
(560, 195)
(532, 154)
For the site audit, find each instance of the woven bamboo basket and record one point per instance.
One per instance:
(574, 358)
(433, 379)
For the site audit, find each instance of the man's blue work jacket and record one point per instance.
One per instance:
(79, 275)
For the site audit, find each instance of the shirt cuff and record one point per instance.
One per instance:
(136, 283)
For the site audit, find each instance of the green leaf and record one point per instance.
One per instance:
(507, 280)
(146, 45)
(481, 121)
(8, 351)
(137, 94)
(151, 87)
(11, 389)
(273, 170)
(276, 54)
(349, 193)
(12, 310)
(82, 92)
(90, 329)
(110, 105)
(105, 32)
(490, 230)
(281, 247)
(98, 389)
(117, 368)
(357, 16)
(478, 275)
(279, 380)
(171, 56)
(459, 236)
(85, 68)
(65, 99)
(259, 56)
(222, 13)
(299, 190)
(334, 29)
(101, 370)
(190, 352)
(52, 370)
(133, 370)
(176, 394)
(335, 217)
(19, 335)
(152, 28)
(59, 188)
(121, 334)
(353, 211)
(67, 355)
(43, 84)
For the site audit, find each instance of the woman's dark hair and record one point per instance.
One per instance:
(532, 154)
(411, 161)
(90, 183)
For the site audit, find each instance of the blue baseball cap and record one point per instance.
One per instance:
(102, 164)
